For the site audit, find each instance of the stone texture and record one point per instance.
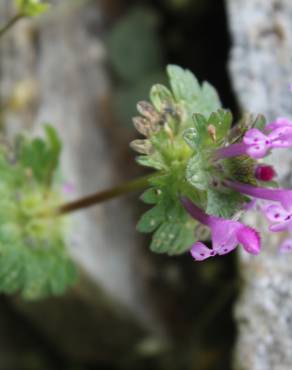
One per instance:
(260, 66)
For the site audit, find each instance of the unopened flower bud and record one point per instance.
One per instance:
(265, 172)
(142, 146)
(143, 126)
(148, 111)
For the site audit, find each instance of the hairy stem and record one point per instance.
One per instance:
(104, 195)
(11, 23)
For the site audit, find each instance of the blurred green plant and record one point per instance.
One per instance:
(31, 8)
(33, 255)
(25, 8)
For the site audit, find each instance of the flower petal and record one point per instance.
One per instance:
(200, 252)
(224, 235)
(281, 226)
(285, 246)
(254, 136)
(226, 249)
(258, 151)
(286, 199)
(284, 196)
(279, 122)
(275, 213)
(250, 239)
(281, 137)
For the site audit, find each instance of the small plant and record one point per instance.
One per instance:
(33, 254)
(206, 173)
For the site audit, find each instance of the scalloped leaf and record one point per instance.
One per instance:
(188, 92)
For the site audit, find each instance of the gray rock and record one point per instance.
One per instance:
(260, 65)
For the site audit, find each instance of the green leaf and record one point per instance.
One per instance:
(174, 227)
(224, 204)
(31, 8)
(222, 121)
(210, 98)
(153, 161)
(208, 132)
(47, 273)
(54, 142)
(174, 236)
(184, 84)
(42, 155)
(151, 219)
(196, 173)
(200, 134)
(190, 95)
(260, 122)
(151, 196)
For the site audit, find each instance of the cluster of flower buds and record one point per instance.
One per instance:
(150, 123)
(146, 125)
(276, 203)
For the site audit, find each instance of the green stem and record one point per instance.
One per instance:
(102, 196)
(11, 23)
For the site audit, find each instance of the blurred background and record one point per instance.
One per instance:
(83, 66)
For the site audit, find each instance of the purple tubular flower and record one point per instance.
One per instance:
(285, 246)
(278, 195)
(259, 144)
(225, 234)
(280, 217)
(256, 144)
(278, 123)
(200, 252)
(233, 150)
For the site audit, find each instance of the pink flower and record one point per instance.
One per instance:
(282, 196)
(280, 217)
(285, 246)
(256, 144)
(225, 234)
(278, 123)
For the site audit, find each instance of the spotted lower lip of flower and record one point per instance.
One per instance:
(225, 234)
(256, 144)
(282, 196)
(281, 218)
(259, 144)
(278, 123)
(285, 246)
